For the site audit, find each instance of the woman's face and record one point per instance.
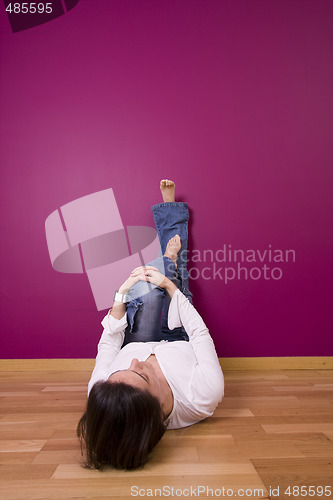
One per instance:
(140, 374)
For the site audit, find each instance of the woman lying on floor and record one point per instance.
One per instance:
(156, 367)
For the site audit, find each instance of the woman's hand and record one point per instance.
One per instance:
(153, 275)
(138, 274)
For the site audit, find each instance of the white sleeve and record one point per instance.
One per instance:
(108, 347)
(182, 313)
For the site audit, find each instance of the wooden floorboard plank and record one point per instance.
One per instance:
(100, 487)
(285, 473)
(21, 445)
(169, 469)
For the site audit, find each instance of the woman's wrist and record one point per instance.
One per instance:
(126, 286)
(117, 310)
(170, 287)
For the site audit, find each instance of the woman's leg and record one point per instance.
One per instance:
(178, 333)
(171, 218)
(147, 312)
(144, 318)
(171, 222)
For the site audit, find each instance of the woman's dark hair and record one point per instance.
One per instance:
(120, 427)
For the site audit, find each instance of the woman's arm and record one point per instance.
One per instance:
(139, 274)
(114, 324)
(182, 312)
(108, 347)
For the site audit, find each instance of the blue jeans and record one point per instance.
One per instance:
(147, 311)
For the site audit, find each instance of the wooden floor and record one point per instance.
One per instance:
(273, 430)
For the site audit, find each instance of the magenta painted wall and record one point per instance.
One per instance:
(233, 100)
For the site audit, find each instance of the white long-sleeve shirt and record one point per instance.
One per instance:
(192, 369)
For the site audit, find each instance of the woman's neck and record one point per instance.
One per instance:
(166, 398)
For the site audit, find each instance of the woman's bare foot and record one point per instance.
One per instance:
(172, 249)
(168, 190)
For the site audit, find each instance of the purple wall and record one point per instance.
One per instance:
(233, 100)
